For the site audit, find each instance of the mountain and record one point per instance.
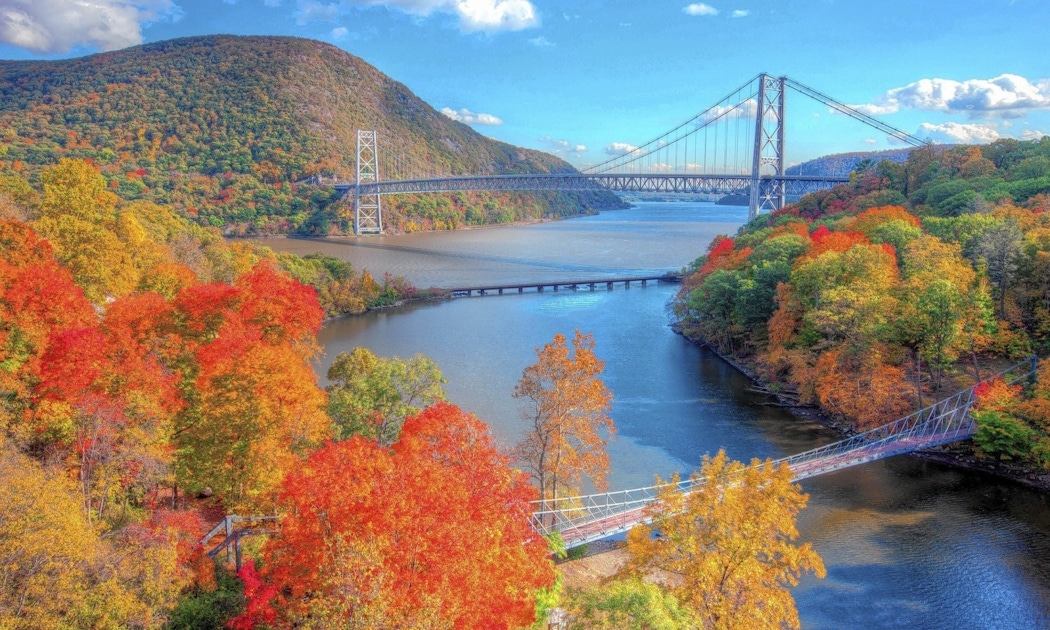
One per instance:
(842, 164)
(222, 128)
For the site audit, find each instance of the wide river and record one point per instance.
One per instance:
(907, 543)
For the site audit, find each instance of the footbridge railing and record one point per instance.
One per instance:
(583, 519)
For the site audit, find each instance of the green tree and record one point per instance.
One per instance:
(371, 396)
(631, 604)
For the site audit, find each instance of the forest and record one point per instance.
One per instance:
(156, 378)
(233, 132)
(880, 296)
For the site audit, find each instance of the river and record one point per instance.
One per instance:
(907, 543)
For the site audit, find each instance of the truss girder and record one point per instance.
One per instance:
(655, 183)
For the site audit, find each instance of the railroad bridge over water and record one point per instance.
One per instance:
(694, 157)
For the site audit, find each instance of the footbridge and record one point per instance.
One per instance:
(583, 519)
(735, 146)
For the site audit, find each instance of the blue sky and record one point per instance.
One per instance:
(581, 78)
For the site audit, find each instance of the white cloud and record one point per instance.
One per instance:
(470, 118)
(496, 15)
(718, 112)
(1032, 134)
(339, 32)
(1005, 96)
(959, 133)
(619, 148)
(474, 15)
(699, 8)
(541, 42)
(740, 13)
(311, 11)
(562, 147)
(56, 26)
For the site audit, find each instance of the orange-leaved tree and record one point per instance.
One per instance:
(729, 546)
(431, 532)
(566, 411)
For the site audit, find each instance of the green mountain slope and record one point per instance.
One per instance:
(222, 127)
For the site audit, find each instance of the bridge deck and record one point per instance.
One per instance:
(572, 285)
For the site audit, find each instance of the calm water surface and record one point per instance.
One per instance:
(907, 543)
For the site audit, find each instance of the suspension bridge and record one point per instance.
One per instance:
(583, 519)
(736, 146)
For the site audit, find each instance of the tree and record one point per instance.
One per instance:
(371, 396)
(566, 412)
(1000, 248)
(432, 532)
(727, 546)
(626, 604)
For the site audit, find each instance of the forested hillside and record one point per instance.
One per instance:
(911, 281)
(222, 128)
(155, 377)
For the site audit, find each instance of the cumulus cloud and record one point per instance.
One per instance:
(310, 11)
(56, 26)
(740, 13)
(1005, 96)
(339, 32)
(699, 8)
(718, 112)
(959, 133)
(1032, 134)
(468, 117)
(617, 149)
(562, 147)
(541, 42)
(473, 15)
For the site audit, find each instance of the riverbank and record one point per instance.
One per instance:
(950, 455)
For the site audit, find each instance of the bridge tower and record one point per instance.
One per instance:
(768, 162)
(368, 212)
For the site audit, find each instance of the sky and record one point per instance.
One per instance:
(584, 79)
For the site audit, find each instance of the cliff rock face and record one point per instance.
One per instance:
(222, 127)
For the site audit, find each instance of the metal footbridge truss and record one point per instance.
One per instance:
(583, 519)
(736, 146)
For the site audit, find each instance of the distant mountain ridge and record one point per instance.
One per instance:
(842, 164)
(220, 127)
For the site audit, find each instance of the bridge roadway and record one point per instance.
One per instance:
(572, 285)
(794, 185)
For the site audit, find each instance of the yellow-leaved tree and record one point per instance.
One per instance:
(727, 548)
(566, 410)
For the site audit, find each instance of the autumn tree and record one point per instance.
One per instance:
(566, 413)
(371, 396)
(432, 532)
(728, 545)
(253, 404)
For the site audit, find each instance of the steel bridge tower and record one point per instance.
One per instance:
(368, 211)
(768, 194)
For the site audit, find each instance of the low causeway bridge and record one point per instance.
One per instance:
(571, 285)
(583, 519)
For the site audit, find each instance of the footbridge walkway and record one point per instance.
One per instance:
(583, 519)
